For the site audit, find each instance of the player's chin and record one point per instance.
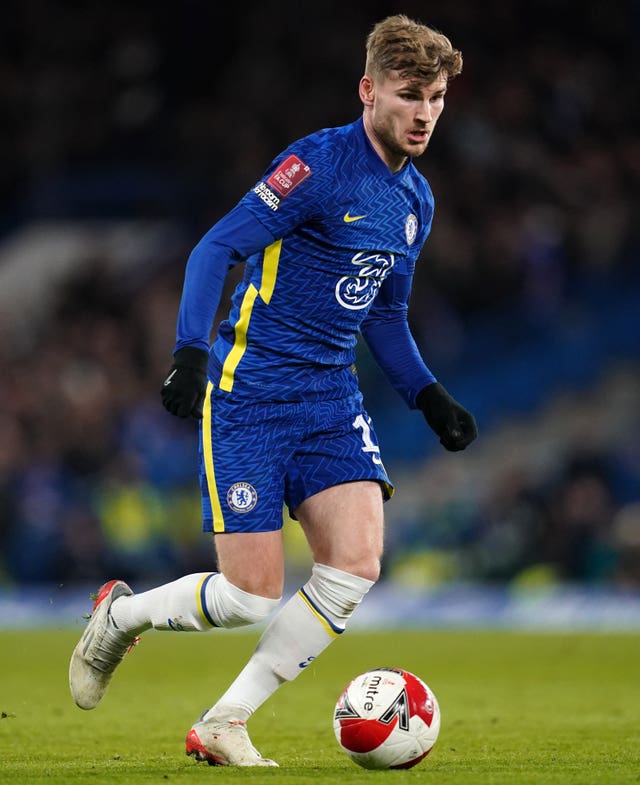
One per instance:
(416, 148)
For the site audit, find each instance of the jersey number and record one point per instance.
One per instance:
(364, 425)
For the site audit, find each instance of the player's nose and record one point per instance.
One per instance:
(424, 111)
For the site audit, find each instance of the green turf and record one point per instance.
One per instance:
(516, 708)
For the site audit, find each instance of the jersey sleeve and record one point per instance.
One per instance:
(233, 238)
(387, 334)
(293, 189)
(291, 192)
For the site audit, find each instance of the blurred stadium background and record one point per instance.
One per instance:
(129, 128)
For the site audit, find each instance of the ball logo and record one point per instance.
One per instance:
(386, 719)
(358, 290)
(400, 709)
(411, 228)
(242, 497)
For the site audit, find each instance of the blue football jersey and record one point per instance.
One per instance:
(341, 224)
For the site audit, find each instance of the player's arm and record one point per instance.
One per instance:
(235, 237)
(288, 194)
(387, 334)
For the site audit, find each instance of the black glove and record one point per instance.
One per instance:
(455, 426)
(184, 388)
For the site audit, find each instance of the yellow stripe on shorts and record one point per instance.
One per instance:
(216, 510)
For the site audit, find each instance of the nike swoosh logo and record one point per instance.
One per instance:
(351, 218)
(167, 381)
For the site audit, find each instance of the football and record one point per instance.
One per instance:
(386, 719)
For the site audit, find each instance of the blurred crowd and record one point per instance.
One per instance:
(555, 499)
(126, 110)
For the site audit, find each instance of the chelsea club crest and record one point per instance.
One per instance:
(242, 497)
(411, 228)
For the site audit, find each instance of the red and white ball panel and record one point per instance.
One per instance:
(387, 718)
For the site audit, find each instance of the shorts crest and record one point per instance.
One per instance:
(242, 497)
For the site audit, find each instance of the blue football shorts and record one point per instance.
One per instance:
(256, 457)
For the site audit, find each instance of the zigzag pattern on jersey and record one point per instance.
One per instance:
(288, 346)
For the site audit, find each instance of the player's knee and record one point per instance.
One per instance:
(255, 609)
(258, 585)
(336, 592)
(366, 566)
(232, 606)
(369, 569)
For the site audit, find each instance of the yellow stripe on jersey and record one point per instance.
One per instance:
(240, 343)
(218, 519)
(270, 271)
(330, 630)
(267, 285)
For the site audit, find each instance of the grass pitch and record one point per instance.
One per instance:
(516, 708)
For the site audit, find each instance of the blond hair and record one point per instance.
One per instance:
(415, 51)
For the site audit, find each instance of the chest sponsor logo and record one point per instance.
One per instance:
(358, 290)
(291, 172)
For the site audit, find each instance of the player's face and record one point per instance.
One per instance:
(400, 115)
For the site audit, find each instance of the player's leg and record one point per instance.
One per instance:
(245, 503)
(237, 440)
(197, 602)
(194, 602)
(343, 520)
(253, 562)
(246, 588)
(202, 601)
(344, 527)
(345, 530)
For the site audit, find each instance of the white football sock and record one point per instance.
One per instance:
(299, 632)
(196, 602)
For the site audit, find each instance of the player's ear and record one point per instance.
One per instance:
(366, 90)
